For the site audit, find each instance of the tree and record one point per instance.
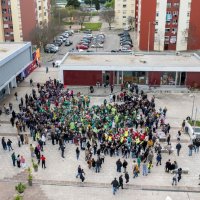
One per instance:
(89, 2)
(97, 4)
(70, 13)
(108, 16)
(131, 21)
(74, 3)
(110, 4)
(80, 17)
(42, 34)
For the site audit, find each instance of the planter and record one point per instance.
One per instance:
(30, 182)
(35, 169)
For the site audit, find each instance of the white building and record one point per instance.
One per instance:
(124, 9)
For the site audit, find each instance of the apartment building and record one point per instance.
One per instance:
(19, 17)
(168, 24)
(124, 13)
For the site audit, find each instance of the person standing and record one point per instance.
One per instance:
(47, 69)
(178, 148)
(174, 179)
(144, 169)
(18, 161)
(3, 142)
(125, 163)
(43, 159)
(79, 171)
(9, 144)
(81, 175)
(62, 150)
(168, 139)
(121, 182)
(179, 174)
(183, 125)
(115, 185)
(158, 159)
(13, 158)
(119, 165)
(127, 177)
(77, 153)
(16, 96)
(190, 147)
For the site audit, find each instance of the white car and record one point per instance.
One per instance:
(96, 46)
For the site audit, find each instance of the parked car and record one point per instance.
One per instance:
(58, 42)
(50, 49)
(68, 43)
(114, 51)
(88, 31)
(126, 43)
(53, 45)
(96, 46)
(127, 28)
(83, 43)
(125, 49)
(81, 47)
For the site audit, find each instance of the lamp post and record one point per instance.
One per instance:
(149, 33)
(192, 105)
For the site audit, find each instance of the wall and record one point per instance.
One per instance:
(82, 77)
(13, 66)
(193, 79)
(183, 25)
(154, 78)
(129, 11)
(28, 14)
(1, 26)
(194, 28)
(16, 18)
(161, 19)
(148, 14)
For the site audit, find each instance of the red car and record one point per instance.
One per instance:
(81, 47)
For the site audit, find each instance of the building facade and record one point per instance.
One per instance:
(144, 69)
(168, 24)
(15, 58)
(124, 13)
(19, 17)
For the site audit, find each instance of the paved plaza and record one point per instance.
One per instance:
(58, 180)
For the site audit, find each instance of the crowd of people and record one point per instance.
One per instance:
(126, 127)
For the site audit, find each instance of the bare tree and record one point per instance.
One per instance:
(131, 21)
(108, 16)
(81, 17)
(42, 34)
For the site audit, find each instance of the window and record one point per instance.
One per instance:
(156, 22)
(124, 12)
(175, 21)
(175, 13)
(174, 30)
(176, 4)
(10, 19)
(166, 38)
(169, 5)
(156, 30)
(157, 14)
(11, 26)
(39, 7)
(4, 10)
(124, 6)
(9, 10)
(124, 24)
(188, 14)
(167, 30)
(3, 2)
(124, 16)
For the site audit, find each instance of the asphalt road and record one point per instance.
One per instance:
(111, 42)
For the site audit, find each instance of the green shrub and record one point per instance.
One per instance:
(20, 187)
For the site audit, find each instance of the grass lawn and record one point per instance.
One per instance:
(92, 26)
(68, 23)
(192, 123)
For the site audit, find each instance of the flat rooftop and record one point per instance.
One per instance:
(9, 48)
(128, 62)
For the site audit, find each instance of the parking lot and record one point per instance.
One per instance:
(112, 42)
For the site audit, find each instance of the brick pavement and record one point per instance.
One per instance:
(61, 170)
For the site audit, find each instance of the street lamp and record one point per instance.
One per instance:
(149, 33)
(193, 96)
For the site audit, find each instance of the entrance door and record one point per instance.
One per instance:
(183, 77)
(106, 78)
